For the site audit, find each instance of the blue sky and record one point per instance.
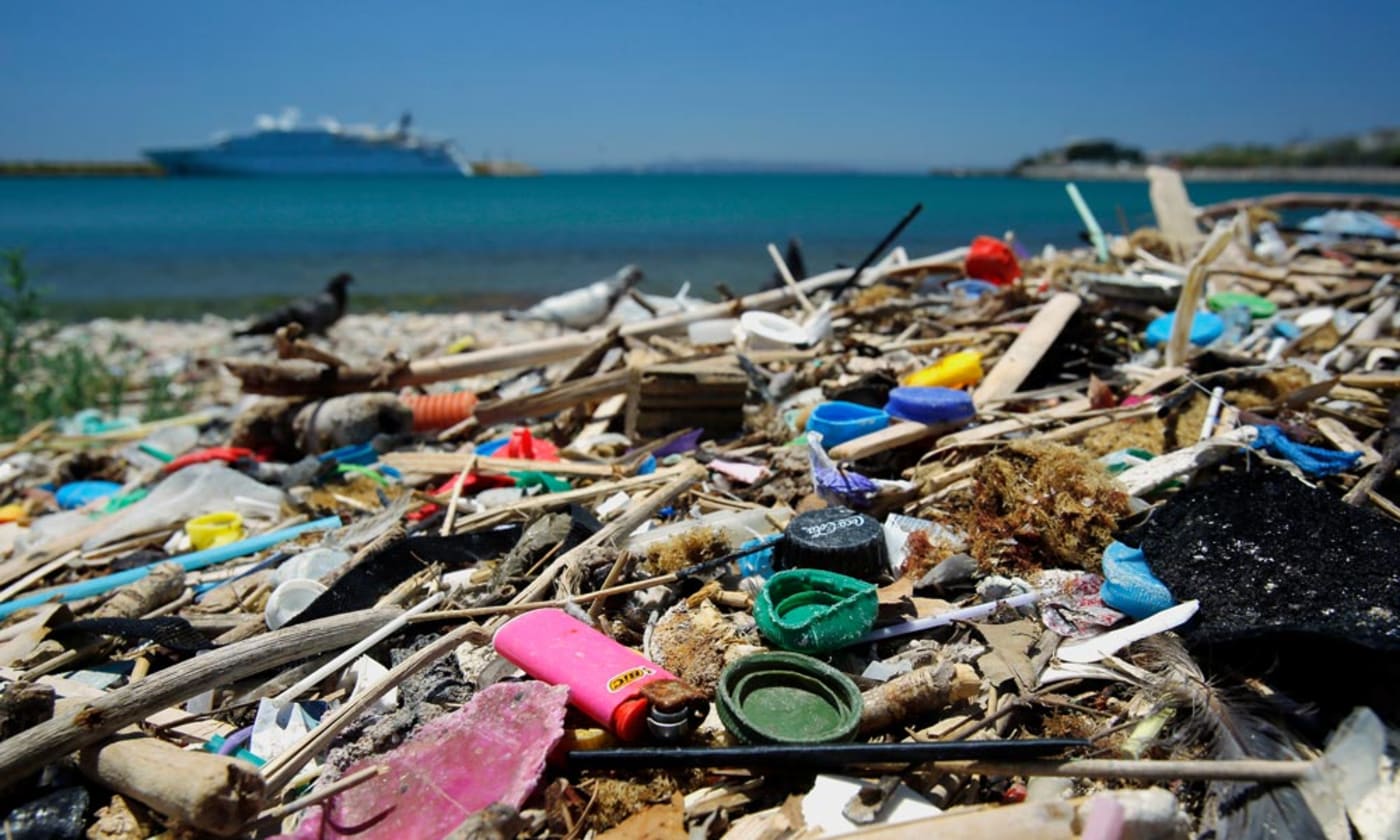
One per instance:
(574, 84)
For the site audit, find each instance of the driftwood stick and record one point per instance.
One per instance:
(443, 463)
(1145, 477)
(786, 274)
(892, 436)
(1191, 292)
(1292, 200)
(214, 793)
(620, 527)
(552, 399)
(280, 771)
(305, 379)
(322, 793)
(84, 724)
(1028, 348)
(552, 501)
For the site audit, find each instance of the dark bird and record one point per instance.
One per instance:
(315, 314)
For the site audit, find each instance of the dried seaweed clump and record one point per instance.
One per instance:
(692, 644)
(1038, 505)
(685, 549)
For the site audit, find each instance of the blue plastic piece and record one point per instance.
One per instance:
(1313, 460)
(1129, 585)
(78, 493)
(1285, 329)
(972, 288)
(840, 421)
(930, 405)
(189, 562)
(359, 454)
(1205, 328)
(648, 466)
(760, 562)
(490, 447)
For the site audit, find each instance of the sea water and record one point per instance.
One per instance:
(157, 240)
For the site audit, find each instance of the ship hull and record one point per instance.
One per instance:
(351, 161)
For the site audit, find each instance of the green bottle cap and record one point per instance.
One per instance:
(787, 698)
(814, 610)
(1258, 307)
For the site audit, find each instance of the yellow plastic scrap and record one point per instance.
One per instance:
(956, 370)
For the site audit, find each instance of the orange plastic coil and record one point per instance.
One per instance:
(432, 412)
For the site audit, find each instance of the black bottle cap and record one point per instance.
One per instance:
(836, 539)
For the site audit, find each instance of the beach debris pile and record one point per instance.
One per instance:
(1095, 543)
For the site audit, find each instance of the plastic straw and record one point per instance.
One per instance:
(189, 562)
(971, 613)
(354, 653)
(1087, 216)
(817, 755)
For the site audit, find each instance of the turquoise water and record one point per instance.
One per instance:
(171, 239)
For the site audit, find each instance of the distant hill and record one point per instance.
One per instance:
(725, 166)
(1373, 149)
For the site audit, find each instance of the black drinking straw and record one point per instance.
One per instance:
(818, 756)
(879, 249)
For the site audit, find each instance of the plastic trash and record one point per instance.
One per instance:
(214, 529)
(760, 330)
(787, 698)
(605, 679)
(492, 750)
(521, 444)
(838, 421)
(290, 599)
(200, 489)
(971, 289)
(956, 370)
(992, 260)
(433, 412)
(1338, 223)
(1258, 307)
(1129, 585)
(713, 331)
(931, 405)
(1205, 328)
(76, 494)
(311, 565)
(1271, 247)
(836, 539)
(1313, 460)
(814, 611)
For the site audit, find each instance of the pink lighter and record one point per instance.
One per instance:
(605, 679)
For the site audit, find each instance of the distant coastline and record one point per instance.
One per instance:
(1286, 174)
(78, 169)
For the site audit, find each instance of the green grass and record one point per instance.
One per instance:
(44, 379)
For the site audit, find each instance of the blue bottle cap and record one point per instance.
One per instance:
(1205, 328)
(840, 421)
(930, 404)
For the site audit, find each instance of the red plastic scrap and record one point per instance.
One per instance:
(992, 260)
(227, 454)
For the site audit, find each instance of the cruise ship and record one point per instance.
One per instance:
(281, 146)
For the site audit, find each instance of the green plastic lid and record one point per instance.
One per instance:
(787, 698)
(814, 610)
(1258, 307)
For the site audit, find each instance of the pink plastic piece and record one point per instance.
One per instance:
(1105, 820)
(491, 750)
(602, 675)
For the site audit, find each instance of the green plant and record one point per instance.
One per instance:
(43, 378)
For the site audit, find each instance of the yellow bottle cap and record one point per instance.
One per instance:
(215, 529)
